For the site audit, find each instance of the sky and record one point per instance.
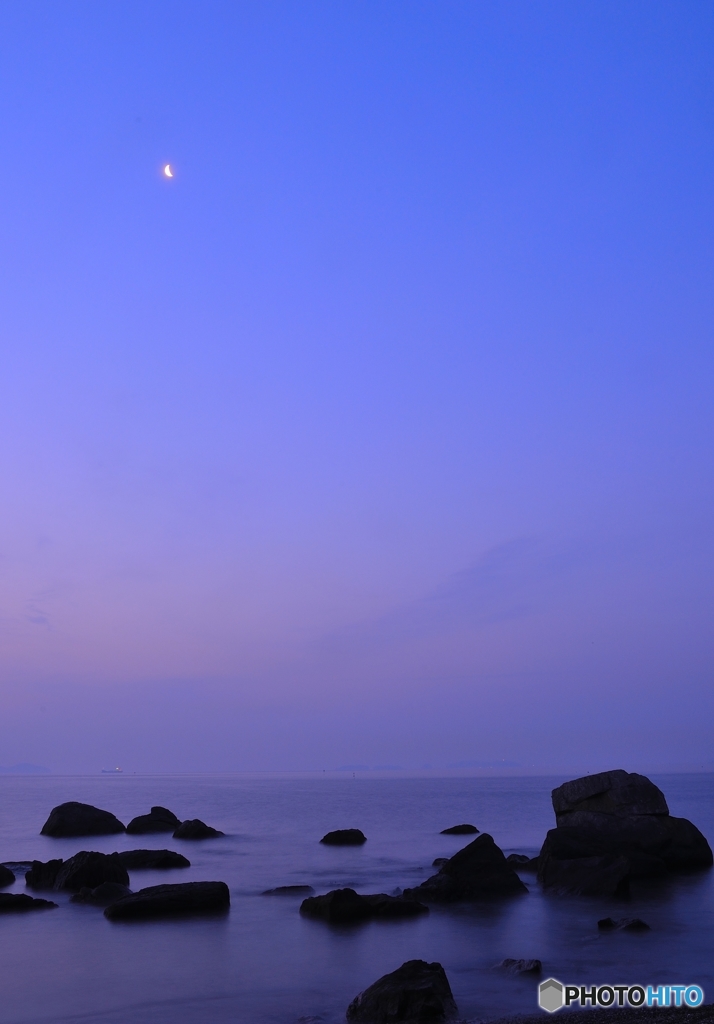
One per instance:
(381, 433)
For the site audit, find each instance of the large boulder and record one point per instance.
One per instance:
(75, 819)
(7, 877)
(344, 837)
(18, 902)
(416, 993)
(478, 871)
(145, 860)
(159, 820)
(171, 901)
(194, 828)
(345, 906)
(611, 827)
(103, 895)
(86, 869)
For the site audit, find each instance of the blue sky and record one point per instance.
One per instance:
(382, 432)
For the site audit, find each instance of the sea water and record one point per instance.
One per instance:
(263, 963)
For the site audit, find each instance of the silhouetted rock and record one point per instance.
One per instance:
(438, 861)
(459, 830)
(623, 924)
(159, 820)
(18, 902)
(521, 862)
(289, 890)
(7, 877)
(43, 875)
(344, 906)
(88, 869)
(103, 895)
(145, 860)
(478, 871)
(344, 837)
(613, 826)
(416, 993)
(171, 900)
(75, 819)
(194, 828)
(521, 966)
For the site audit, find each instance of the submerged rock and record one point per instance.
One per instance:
(170, 901)
(478, 871)
(521, 862)
(145, 860)
(521, 966)
(159, 820)
(7, 877)
(103, 895)
(344, 837)
(75, 819)
(459, 830)
(623, 924)
(43, 875)
(196, 829)
(345, 906)
(288, 890)
(611, 827)
(18, 902)
(416, 993)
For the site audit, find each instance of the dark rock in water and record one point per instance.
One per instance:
(345, 906)
(416, 993)
(145, 860)
(75, 819)
(289, 890)
(459, 830)
(344, 837)
(196, 829)
(103, 895)
(521, 862)
(7, 877)
(478, 871)
(620, 823)
(159, 820)
(171, 900)
(43, 875)
(438, 861)
(88, 869)
(521, 966)
(623, 924)
(14, 902)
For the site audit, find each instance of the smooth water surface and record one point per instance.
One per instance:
(265, 964)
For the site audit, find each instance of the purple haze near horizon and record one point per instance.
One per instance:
(382, 433)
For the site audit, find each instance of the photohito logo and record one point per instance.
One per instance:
(553, 995)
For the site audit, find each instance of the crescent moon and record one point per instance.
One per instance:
(168, 172)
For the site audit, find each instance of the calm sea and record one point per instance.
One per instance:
(264, 964)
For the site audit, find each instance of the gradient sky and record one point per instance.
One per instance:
(382, 433)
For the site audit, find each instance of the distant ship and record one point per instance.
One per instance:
(110, 771)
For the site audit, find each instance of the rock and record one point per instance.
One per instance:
(344, 837)
(43, 875)
(196, 829)
(145, 860)
(14, 902)
(7, 877)
(89, 869)
(521, 862)
(521, 966)
(171, 900)
(459, 830)
(623, 924)
(616, 825)
(159, 820)
(75, 819)
(289, 890)
(416, 993)
(103, 895)
(479, 870)
(345, 906)
(438, 861)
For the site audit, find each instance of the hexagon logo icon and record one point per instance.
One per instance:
(550, 995)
